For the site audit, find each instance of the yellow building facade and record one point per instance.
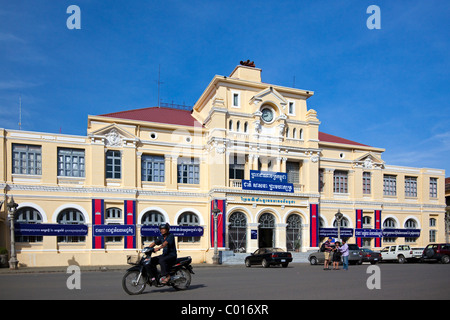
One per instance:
(253, 148)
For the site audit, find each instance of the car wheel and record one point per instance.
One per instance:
(265, 264)
(285, 265)
(445, 259)
(401, 259)
(313, 261)
(247, 263)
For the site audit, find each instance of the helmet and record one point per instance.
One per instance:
(164, 226)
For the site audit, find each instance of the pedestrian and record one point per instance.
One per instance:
(336, 256)
(327, 253)
(344, 251)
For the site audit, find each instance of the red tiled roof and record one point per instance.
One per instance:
(157, 114)
(184, 118)
(325, 137)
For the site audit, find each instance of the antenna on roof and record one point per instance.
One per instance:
(159, 84)
(20, 112)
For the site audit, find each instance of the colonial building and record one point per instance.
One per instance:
(253, 148)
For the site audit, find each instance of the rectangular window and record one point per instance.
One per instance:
(291, 109)
(188, 171)
(113, 164)
(389, 185)
(410, 187)
(71, 162)
(293, 172)
(236, 100)
(433, 187)
(27, 159)
(237, 167)
(367, 186)
(152, 168)
(340, 181)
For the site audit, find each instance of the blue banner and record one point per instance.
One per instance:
(267, 186)
(178, 231)
(268, 176)
(368, 233)
(119, 230)
(44, 229)
(402, 233)
(333, 232)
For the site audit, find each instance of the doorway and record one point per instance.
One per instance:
(266, 231)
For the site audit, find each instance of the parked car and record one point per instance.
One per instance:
(354, 257)
(269, 256)
(370, 256)
(437, 252)
(400, 253)
(417, 252)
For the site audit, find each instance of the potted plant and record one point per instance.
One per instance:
(3, 257)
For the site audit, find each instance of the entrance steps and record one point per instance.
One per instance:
(232, 258)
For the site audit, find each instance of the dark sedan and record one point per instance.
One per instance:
(370, 256)
(269, 256)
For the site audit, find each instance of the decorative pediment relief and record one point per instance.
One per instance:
(269, 95)
(368, 161)
(113, 136)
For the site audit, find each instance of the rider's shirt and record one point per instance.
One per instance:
(170, 249)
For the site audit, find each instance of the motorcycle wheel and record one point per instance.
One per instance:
(182, 284)
(130, 284)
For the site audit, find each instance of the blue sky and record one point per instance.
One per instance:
(387, 88)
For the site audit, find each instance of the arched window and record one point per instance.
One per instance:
(410, 224)
(188, 219)
(230, 125)
(344, 223)
(30, 216)
(294, 133)
(237, 232)
(246, 127)
(113, 216)
(294, 232)
(151, 218)
(301, 134)
(70, 216)
(238, 126)
(389, 223)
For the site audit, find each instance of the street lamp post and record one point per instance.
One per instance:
(216, 211)
(339, 217)
(12, 208)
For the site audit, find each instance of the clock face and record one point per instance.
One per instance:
(267, 115)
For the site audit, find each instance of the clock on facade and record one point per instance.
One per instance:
(267, 115)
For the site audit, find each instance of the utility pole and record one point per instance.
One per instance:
(20, 112)
(159, 85)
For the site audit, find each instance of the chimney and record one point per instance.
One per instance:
(246, 71)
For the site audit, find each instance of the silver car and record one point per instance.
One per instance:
(354, 257)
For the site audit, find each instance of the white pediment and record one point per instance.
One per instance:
(114, 136)
(369, 161)
(269, 95)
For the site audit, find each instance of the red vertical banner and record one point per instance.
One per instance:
(359, 225)
(130, 219)
(98, 218)
(221, 223)
(314, 224)
(378, 226)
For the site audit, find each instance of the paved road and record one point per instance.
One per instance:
(298, 281)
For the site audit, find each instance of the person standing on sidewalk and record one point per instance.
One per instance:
(345, 253)
(327, 253)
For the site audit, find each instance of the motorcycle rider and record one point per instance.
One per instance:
(166, 241)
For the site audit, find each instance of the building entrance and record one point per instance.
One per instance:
(266, 231)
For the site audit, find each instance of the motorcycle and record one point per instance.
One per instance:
(139, 276)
